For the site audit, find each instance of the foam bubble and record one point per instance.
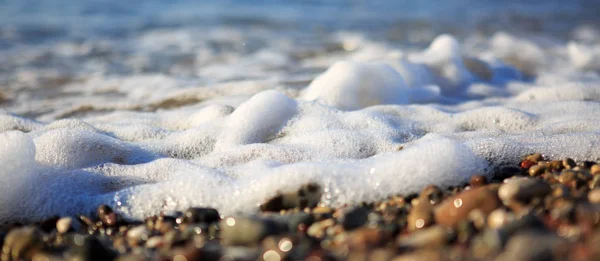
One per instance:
(355, 85)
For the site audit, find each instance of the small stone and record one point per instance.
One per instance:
(107, 216)
(355, 217)
(457, 208)
(536, 170)
(532, 245)
(138, 234)
(43, 256)
(523, 189)
(431, 237)
(499, 218)
(245, 230)
(595, 169)
(569, 163)
(526, 164)
(429, 255)
(364, 238)
(155, 242)
(535, 158)
(421, 215)
(560, 191)
(317, 229)
(307, 196)
(22, 244)
(431, 193)
(201, 215)
(63, 225)
(89, 248)
(594, 195)
(567, 177)
(487, 244)
(595, 182)
(478, 181)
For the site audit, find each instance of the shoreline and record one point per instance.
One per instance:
(547, 210)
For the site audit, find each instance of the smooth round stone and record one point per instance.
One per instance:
(594, 195)
(138, 234)
(595, 169)
(457, 208)
(569, 163)
(536, 170)
(107, 215)
(363, 238)
(355, 217)
(89, 248)
(499, 218)
(63, 225)
(531, 245)
(318, 229)
(523, 189)
(429, 255)
(421, 215)
(22, 243)
(245, 230)
(478, 181)
(535, 158)
(307, 196)
(431, 237)
(201, 215)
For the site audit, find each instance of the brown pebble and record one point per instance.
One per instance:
(364, 238)
(478, 181)
(63, 225)
(595, 169)
(526, 164)
(536, 170)
(431, 237)
(22, 244)
(594, 195)
(430, 255)
(567, 177)
(457, 208)
(531, 245)
(499, 217)
(535, 158)
(421, 215)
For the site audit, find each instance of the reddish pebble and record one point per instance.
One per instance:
(478, 181)
(525, 164)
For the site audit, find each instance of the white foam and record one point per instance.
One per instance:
(377, 122)
(354, 85)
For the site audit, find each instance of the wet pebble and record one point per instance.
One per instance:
(355, 217)
(594, 195)
(22, 244)
(63, 225)
(532, 246)
(523, 189)
(457, 208)
(200, 215)
(245, 230)
(307, 196)
(432, 237)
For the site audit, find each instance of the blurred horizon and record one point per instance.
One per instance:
(39, 21)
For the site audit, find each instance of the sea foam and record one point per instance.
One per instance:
(376, 123)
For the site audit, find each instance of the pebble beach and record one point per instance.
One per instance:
(325, 130)
(535, 210)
